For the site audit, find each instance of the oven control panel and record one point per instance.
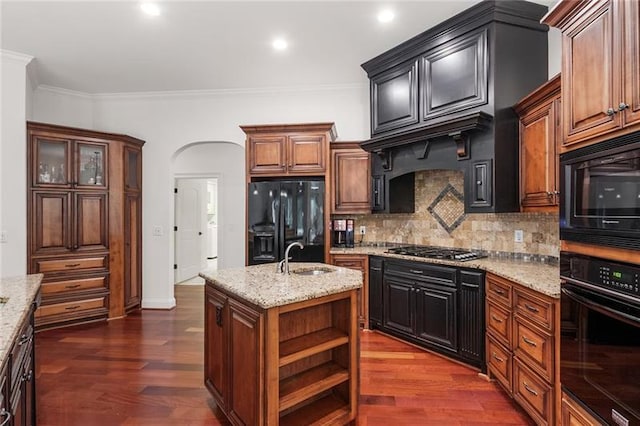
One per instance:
(615, 276)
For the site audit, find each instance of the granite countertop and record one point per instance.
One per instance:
(538, 276)
(262, 286)
(19, 293)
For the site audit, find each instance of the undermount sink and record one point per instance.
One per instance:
(313, 271)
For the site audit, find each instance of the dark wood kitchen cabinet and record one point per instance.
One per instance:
(288, 149)
(376, 271)
(435, 306)
(18, 378)
(394, 98)
(84, 216)
(600, 62)
(522, 346)
(540, 142)
(351, 174)
(215, 363)
(574, 415)
(359, 263)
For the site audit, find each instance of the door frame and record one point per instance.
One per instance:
(220, 218)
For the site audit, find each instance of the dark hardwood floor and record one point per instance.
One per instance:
(146, 369)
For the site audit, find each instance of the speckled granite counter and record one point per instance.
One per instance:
(537, 276)
(262, 286)
(20, 292)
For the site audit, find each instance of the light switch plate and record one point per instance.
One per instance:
(363, 229)
(518, 236)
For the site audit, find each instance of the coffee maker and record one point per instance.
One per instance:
(342, 233)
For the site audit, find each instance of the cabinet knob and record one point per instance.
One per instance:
(7, 417)
(622, 106)
(611, 111)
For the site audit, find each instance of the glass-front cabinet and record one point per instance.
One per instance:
(69, 163)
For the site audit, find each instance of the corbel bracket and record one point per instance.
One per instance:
(462, 144)
(385, 156)
(421, 149)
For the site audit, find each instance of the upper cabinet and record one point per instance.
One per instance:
(443, 100)
(600, 60)
(288, 150)
(539, 115)
(351, 173)
(68, 163)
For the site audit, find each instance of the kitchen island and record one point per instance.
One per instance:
(282, 349)
(19, 298)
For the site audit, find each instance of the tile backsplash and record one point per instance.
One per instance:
(493, 232)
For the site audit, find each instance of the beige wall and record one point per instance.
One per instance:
(494, 232)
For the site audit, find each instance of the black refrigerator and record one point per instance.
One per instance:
(283, 212)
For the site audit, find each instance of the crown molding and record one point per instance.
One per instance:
(15, 56)
(67, 92)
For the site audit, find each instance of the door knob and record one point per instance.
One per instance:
(199, 233)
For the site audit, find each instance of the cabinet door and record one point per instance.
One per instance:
(50, 162)
(591, 73)
(90, 168)
(91, 225)
(574, 415)
(4, 394)
(436, 316)
(479, 185)
(375, 291)
(471, 315)
(538, 161)
(399, 304)
(454, 76)
(631, 57)
(394, 98)
(132, 168)
(267, 154)
(51, 224)
(306, 154)
(216, 350)
(245, 355)
(133, 251)
(352, 180)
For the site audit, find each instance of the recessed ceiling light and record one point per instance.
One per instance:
(385, 16)
(150, 9)
(280, 44)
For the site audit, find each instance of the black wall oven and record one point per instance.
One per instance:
(600, 340)
(600, 189)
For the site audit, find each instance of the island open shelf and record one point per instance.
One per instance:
(290, 364)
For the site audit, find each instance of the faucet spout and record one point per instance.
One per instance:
(286, 257)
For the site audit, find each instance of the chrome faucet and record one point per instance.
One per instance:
(283, 265)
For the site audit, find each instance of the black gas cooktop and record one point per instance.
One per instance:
(431, 252)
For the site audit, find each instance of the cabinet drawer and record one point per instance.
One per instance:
(500, 363)
(60, 288)
(499, 290)
(357, 263)
(21, 349)
(533, 393)
(535, 347)
(424, 272)
(499, 322)
(72, 264)
(86, 308)
(534, 308)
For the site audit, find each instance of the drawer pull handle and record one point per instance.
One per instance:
(498, 291)
(415, 271)
(531, 391)
(497, 358)
(24, 339)
(71, 265)
(529, 341)
(7, 417)
(72, 286)
(26, 377)
(348, 264)
(219, 316)
(531, 308)
(71, 308)
(496, 319)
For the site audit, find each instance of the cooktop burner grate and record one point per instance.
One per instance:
(431, 252)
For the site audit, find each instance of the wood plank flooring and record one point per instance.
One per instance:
(146, 369)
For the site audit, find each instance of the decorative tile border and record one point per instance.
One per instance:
(448, 208)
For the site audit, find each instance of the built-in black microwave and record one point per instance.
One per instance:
(600, 193)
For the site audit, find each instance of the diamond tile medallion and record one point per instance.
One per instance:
(448, 208)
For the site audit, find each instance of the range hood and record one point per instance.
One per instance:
(443, 100)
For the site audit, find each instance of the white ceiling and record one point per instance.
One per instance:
(111, 47)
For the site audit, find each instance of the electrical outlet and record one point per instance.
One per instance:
(157, 231)
(3, 236)
(363, 229)
(518, 236)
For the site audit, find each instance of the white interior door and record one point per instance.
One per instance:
(191, 223)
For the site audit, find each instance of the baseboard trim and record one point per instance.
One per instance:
(159, 303)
